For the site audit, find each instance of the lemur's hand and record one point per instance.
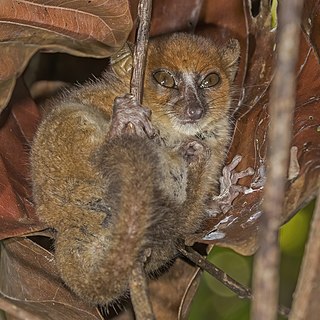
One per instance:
(130, 117)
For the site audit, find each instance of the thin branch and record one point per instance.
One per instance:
(221, 276)
(238, 288)
(282, 104)
(140, 50)
(138, 281)
(139, 294)
(305, 302)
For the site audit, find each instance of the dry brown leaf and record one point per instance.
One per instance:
(168, 291)
(95, 28)
(238, 228)
(170, 16)
(17, 214)
(28, 277)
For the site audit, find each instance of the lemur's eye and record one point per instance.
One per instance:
(165, 79)
(210, 80)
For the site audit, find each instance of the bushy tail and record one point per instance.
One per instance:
(128, 165)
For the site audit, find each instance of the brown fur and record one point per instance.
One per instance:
(110, 200)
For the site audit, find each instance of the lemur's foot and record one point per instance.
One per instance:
(130, 117)
(195, 152)
(229, 189)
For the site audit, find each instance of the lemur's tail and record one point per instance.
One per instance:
(128, 166)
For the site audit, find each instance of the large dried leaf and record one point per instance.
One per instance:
(17, 214)
(94, 28)
(29, 278)
(171, 16)
(168, 292)
(238, 228)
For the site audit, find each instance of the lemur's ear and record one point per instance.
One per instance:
(121, 62)
(231, 53)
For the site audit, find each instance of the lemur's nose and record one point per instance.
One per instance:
(195, 112)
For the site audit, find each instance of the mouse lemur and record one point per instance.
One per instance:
(114, 178)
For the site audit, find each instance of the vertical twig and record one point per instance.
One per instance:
(139, 293)
(140, 50)
(282, 103)
(138, 282)
(305, 302)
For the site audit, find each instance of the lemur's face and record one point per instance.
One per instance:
(188, 81)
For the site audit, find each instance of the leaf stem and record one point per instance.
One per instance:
(140, 50)
(139, 293)
(138, 281)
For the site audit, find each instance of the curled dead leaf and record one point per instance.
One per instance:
(238, 228)
(29, 280)
(85, 28)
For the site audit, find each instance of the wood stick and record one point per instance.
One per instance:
(281, 108)
(305, 299)
(238, 288)
(140, 50)
(138, 281)
(216, 272)
(139, 293)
